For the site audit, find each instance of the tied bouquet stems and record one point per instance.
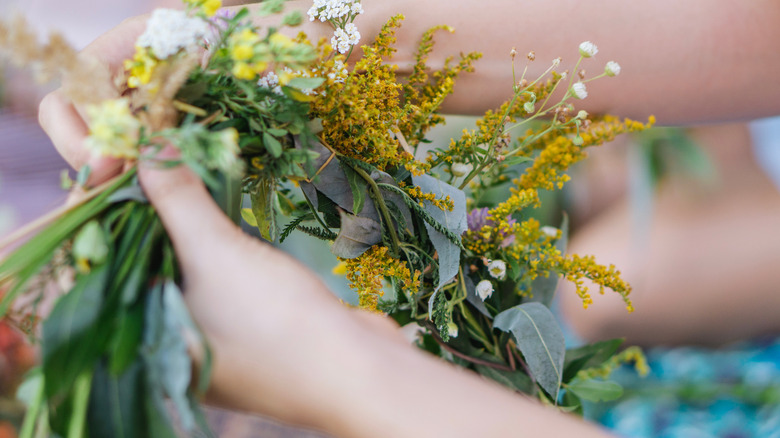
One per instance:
(315, 145)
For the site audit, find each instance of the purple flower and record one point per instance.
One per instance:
(478, 218)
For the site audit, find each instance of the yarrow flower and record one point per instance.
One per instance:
(271, 81)
(612, 68)
(169, 31)
(113, 130)
(339, 73)
(344, 39)
(579, 90)
(497, 269)
(588, 49)
(484, 289)
(327, 10)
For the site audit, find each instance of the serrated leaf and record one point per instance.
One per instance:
(455, 221)
(263, 198)
(357, 234)
(305, 83)
(596, 390)
(273, 145)
(539, 339)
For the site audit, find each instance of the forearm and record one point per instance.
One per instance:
(685, 62)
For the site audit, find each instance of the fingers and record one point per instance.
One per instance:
(67, 130)
(194, 222)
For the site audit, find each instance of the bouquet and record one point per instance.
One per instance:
(432, 235)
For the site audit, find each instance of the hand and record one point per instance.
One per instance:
(283, 345)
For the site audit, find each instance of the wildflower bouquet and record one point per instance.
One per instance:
(320, 147)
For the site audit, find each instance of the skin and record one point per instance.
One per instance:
(323, 372)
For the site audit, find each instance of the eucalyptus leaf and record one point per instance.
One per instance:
(596, 390)
(539, 339)
(455, 221)
(589, 356)
(516, 380)
(263, 198)
(357, 234)
(165, 352)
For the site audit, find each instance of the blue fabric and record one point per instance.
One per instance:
(699, 393)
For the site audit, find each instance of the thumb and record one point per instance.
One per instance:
(197, 226)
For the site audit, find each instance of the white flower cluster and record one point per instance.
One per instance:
(326, 10)
(271, 80)
(339, 73)
(344, 39)
(169, 31)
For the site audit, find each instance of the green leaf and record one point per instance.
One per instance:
(91, 243)
(263, 198)
(357, 234)
(589, 356)
(358, 186)
(248, 217)
(227, 194)
(540, 339)
(305, 83)
(454, 221)
(127, 339)
(130, 193)
(273, 145)
(276, 132)
(596, 390)
(116, 403)
(516, 380)
(71, 341)
(571, 403)
(165, 353)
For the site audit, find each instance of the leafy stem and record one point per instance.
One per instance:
(379, 201)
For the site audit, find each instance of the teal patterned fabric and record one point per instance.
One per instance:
(699, 393)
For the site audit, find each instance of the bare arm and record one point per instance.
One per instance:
(686, 62)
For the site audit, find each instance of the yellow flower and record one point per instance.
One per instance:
(140, 67)
(113, 130)
(242, 70)
(242, 52)
(340, 269)
(210, 7)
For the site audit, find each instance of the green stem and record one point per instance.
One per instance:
(379, 201)
(314, 212)
(28, 426)
(78, 419)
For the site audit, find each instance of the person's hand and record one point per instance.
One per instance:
(267, 317)
(283, 345)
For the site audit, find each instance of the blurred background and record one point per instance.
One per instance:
(689, 215)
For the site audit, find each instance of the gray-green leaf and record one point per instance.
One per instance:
(357, 235)
(540, 339)
(596, 390)
(455, 221)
